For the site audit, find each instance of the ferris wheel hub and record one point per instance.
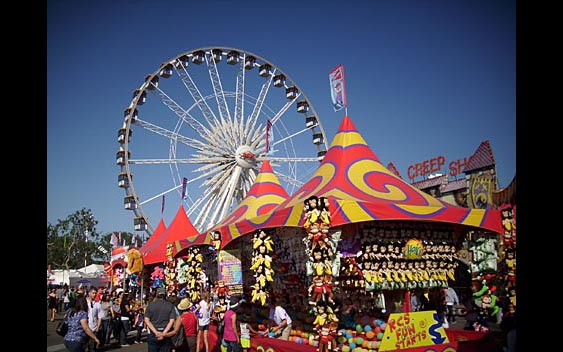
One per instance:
(245, 157)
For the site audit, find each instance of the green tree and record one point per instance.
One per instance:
(72, 242)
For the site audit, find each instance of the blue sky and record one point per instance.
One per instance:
(423, 78)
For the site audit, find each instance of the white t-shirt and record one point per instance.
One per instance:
(244, 331)
(205, 311)
(94, 311)
(278, 314)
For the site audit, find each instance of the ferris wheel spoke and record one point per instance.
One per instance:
(210, 169)
(282, 140)
(289, 160)
(262, 132)
(216, 203)
(291, 179)
(180, 111)
(238, 124)
(173, 161)
(226, 195)
(251, 123)
(190, 142)
(201, 103)
(157, 196)
(215, 78)
(248, 177)
(202, 131)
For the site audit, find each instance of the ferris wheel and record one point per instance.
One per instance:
(199, 127)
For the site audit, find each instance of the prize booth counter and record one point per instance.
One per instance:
(459, 340)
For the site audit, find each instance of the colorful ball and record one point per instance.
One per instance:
(351, 340)
(377, 329)
(383, 326)
(359, 341)
(370, 335)
(358, 328)
(367, 328)
(341, 339)
(345, 348)
(349, 335)
(379, 335)
(352, 345)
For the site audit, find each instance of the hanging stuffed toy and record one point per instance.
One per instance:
(134, 259)
(157, 276)
(261, 264)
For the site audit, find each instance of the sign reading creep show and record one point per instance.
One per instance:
(230, 270)
(414, 329)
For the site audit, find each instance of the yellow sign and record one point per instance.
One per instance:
(413, 249)
(414, 329)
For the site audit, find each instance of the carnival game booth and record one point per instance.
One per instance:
(356, 231)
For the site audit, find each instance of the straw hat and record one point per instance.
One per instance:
(184, 304)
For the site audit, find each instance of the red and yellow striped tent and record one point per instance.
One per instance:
(360, 188)
(263, 196)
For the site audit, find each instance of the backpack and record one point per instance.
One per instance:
(179, 339)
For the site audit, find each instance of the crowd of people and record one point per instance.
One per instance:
(108, 314)
(101, 318)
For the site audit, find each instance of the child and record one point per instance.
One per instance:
(245, 330)
(139, 324)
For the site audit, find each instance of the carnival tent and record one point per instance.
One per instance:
(181, 227)
(158, 232)
(265, 194)
(360, 188)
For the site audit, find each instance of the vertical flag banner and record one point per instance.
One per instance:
(184, 183)
(337, 88)
(268, 128)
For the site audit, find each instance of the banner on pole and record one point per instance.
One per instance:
(337, 88)
(184, 184)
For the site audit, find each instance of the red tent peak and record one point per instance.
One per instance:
(266, 167)
(348, 136)
(160, 228)
(346, 125)
(182, 223)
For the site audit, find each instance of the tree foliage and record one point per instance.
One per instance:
(74, 242)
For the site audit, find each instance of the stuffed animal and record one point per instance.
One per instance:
(157, 276)
(216, 239)
(134, 261)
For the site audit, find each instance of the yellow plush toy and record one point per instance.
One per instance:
(134, 261)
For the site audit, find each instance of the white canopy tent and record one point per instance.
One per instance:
(91, 275)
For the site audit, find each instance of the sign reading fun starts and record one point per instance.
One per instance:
(414, 329)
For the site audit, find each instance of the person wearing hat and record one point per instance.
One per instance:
(159, 319)
(189, 323)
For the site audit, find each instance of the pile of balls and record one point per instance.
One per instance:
(365, 338)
